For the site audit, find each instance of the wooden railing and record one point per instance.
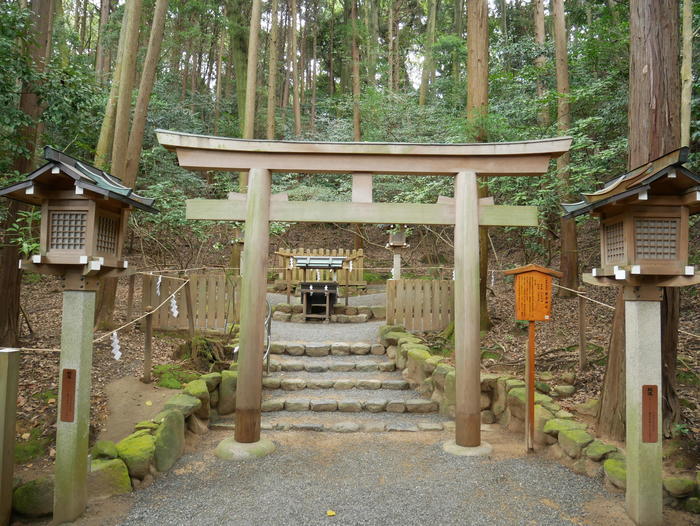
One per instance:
(420, 304)
(354, 279)
(215, 300)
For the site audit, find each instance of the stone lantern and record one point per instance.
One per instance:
(397, 243)
(644, 247)
(84, 213)
(83, 218)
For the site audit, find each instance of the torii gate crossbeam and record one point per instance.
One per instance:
(463, 161)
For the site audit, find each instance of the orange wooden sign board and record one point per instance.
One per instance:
(650, 413)
(533, 292)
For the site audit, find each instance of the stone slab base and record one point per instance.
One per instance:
(483, 450)
(229, 449)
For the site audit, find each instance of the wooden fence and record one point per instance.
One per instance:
(420, 304)
(356, 277)
(215, 301)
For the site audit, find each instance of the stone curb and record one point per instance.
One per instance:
(317, 350)
(342, 427)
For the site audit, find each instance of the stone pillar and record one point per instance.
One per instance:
(253, 296)
(9, 367)
(73, 423)
(466, 309)
(644, 498)
(397, 265)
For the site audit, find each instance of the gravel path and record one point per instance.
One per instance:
(326, 332)
(386, 478)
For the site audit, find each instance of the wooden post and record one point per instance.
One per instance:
(9, 368)
(288, 279)
(73, 424)
(644, 495)
(190, 312)
(347, 286)
(530, 381)
(582, 358)
(253, 295)
(147, 352)
(130, 298)
(466, 309)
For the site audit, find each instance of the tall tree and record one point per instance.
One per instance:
(356, 119)
(540, 59)
(39, 51)
(272, 70)
(654, 129)
(686, 71)
(101, 55)
(428, 63)
(569, 251)
(477, 112)
(296, 74)
(220, 77)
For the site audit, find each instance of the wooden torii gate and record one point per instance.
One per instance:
(464, 162)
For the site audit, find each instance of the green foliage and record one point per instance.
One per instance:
(22, 232)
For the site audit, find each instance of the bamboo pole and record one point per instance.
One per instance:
(253, 292)
(190, 313)
(130, 298)
(466, 308)
(147, 352)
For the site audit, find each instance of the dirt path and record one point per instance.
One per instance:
(130, 402)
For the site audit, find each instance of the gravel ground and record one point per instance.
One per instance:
(326, 332)
(370, 479)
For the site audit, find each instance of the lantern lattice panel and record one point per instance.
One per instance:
(107, 232)
(614, 242)
(67, 230)
(656, 238)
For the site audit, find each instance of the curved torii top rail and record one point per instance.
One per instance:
(462, 161)
(203, 152)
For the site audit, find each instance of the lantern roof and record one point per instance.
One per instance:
(665, 176)
(63, 172)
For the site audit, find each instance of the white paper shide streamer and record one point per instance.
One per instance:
(160, 278)
(318, 275)
(116, 348)
(173, 307)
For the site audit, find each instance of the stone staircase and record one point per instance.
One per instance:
(340, 387)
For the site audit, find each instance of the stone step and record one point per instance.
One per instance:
(332, 364)
(347, 422)
(317, 349)
(351, 401)
(296, 381)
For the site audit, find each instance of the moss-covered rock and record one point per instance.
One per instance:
(146, 424)
(542, 416)
(415, 360)
(199, 389)
(679, 486)
(108, 477)
(431, 364)
(616, 472)
(563, 414)
(564, 390)
(513, 383)
(590, 407)
(543, 387)
(439, 374)
(598, 450)
(104, 449)
(500, 396)
(550, 405)
(392, 338)
(553, 427)
(35, 498)
(212, 380)
(517, 400)
(488, 381)
(137, 451)
(169, 440)
(184, 403)
(692, 505)
(447, 405)
(227, 392)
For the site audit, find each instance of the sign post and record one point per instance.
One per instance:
(533, 302)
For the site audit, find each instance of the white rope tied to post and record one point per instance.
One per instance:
(116, 348)
(173, 307)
